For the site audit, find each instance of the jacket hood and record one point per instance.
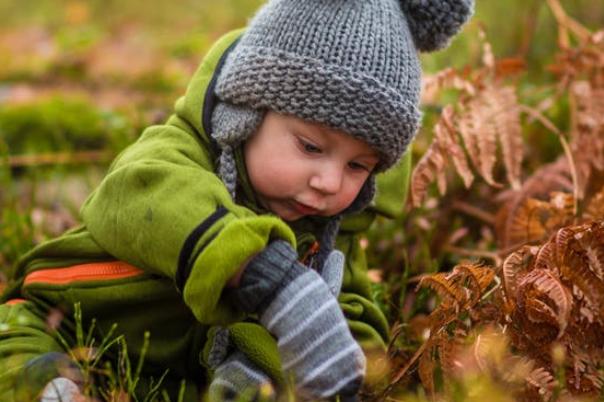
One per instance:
(193, 111)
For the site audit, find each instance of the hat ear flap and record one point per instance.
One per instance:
(231, 125)
(434, 22)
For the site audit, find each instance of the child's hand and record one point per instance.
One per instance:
(333, 271)
(297, 306)
(238, 379)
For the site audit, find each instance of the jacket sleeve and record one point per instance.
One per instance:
(367, 322)
(162, 208)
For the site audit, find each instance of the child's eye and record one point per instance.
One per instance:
(310, 148)
(358, 166)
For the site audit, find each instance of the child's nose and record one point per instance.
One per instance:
(328, 180)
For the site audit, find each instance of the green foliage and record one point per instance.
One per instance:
(62, 123)
(15, 223)
(101, 378)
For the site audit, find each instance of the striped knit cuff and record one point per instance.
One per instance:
(266, 274)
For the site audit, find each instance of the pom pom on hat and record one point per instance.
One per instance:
(433, 22)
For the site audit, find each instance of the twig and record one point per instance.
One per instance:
(497, 285)
(569, 155)
(566, 22)
(474, 211)
(59, 158)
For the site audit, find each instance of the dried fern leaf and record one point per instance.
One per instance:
(587, 143)
(540, 312)
(450, 292)
(552, 177)
(592, 242)
(475, 124)
(530, 222)
(517, 369)
(506, 118)
(514, 264)
(426, 369)
(536, 220)
(433, 85)
(546, 257)
(430, 167)
(544, 381)
(575, 268)
(595, 207)
(550, 286)
(561, 240)
(479, 277)
(448, 351)
(445, 132)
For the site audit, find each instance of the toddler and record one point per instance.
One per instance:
(215, 231)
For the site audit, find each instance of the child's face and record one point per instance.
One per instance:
(298, 168)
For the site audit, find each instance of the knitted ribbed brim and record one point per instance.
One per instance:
(342, 98)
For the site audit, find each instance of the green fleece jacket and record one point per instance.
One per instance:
(162, 209)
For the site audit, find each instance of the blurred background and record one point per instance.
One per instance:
(80, 79)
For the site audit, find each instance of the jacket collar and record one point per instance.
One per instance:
(210, 98)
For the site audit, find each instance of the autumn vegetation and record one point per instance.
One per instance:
(493, 280)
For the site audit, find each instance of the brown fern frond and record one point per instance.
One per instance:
(449, 291)
(592, 242)
(430, 167)
(587, 130)
(576, 267)
(535, 220)
(529, 224)
(595, 207)
(475, 124)
(426, 368)
(445, 133)
(546, 257)
(513, 265)
(550, 178)
(544, 381)
(448, 78)
(562, 239)
(548, 285)
(504, 107)
(477, 276)
(449, 350)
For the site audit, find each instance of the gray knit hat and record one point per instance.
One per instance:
(349, 64)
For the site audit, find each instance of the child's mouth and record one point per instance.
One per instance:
(304, 209)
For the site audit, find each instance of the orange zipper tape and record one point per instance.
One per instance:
(12, 302)
(83, 272)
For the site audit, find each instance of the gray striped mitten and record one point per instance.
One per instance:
(238, 379)
(296, 305)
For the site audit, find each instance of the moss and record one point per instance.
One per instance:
(62, 123)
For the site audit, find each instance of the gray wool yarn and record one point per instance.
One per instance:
(434, 22)
(349, 64)
(231, 126)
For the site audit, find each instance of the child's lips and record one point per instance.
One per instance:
(304, 209)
